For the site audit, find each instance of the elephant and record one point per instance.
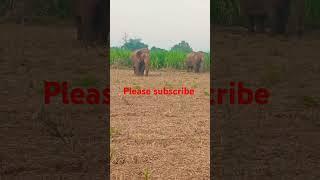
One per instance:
(279, 12)
(141, 61)
(91, 20)
(195, 61)
(19, 10)
(296, 18)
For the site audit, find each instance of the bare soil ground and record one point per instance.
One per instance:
(166, 137)
(160, 136)
(54, 141)
(279, 140)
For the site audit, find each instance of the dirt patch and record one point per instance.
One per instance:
(56, 140)
(166, 137)
(277, 140)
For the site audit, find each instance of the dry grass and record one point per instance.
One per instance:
(277, 140)
(162, 137)
(37, 140)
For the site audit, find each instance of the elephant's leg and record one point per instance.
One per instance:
(134, 70)
(147, 70)
(273, 21)
(141, 68)
(88, 28)
(100, 21)
(95, 23)
(196, 68)
(300, 26)
(188, 68)
(137, 71)
(201, 68)
(282, 15)
(276, 26)
(79, 28)
(278, 20)
(251, 23)
(85, 30)
(300, 6)
(284, 20)
(261, 23)
(296, 17)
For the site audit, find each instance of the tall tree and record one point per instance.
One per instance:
(157, 49)
(134, 44)
(182, 46)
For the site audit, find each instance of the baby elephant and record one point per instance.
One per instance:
(195, 61)
(141, 60)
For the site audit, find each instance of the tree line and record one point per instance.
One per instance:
(224, 12)
(227, 12)
(137, 43)
(52, 8)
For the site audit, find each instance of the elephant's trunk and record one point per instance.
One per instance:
(201, 69)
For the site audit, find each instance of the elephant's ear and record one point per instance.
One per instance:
(201, 54)
(139, 53)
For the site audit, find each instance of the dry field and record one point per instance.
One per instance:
(54, 141)
(160, 136)
(279, 140)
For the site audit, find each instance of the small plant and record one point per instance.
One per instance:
(168, 85)
(194, 85)
(137, 87)
(146, 174)
(113, 132)
(112, 153)
(206, 93)
(310, 102)
(40, 88)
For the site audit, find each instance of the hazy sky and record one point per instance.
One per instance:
(162, 23)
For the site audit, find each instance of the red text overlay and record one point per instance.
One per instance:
(238, 94)
(163, 91)
(75, 95)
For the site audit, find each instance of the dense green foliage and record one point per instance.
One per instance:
(133, 44)
(157, 49)
(182, 46)
(159, 58)
(58, 8)
(53, 8)
(313, 12)
(226, 12)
